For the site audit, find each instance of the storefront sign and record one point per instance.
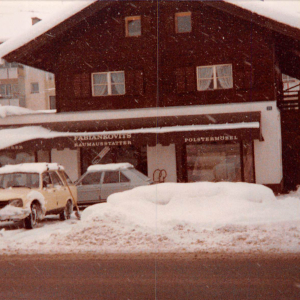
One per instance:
(102, 140)
(211, 139)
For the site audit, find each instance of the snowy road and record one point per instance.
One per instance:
(168, 276)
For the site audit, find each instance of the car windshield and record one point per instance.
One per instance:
(30, 180)
(141, 175)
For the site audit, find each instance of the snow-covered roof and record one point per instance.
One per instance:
(13, 136)
(30, 168)
(43, 26)
(111, 167)
(285, 12)
(16, 16)
(6, 111)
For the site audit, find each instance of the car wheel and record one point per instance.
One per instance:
(66, 213)
(31, 220)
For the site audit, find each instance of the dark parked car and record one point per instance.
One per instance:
(100, 181)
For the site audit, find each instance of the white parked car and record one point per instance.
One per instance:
(30, 191)
(100, 181)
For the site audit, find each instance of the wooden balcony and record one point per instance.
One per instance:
(290, 99)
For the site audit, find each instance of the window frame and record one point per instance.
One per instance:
(182, 14)
(32, 90)
(109, 84)
(132, 18)
(214, 78)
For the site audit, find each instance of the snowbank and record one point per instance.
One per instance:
(198, 204)
(172, 217)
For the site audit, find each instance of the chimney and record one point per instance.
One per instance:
(34, 20)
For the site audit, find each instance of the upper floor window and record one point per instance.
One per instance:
(5, 90)
(183, 22)
(133, 26)
(34, 87)
(214, 77)
(108, 83)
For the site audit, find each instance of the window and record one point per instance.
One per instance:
(91, 178)
(34, 87)
(56, 180)
(108, 83)
(214, 77)
(111, 177)
(5, 90)
(52, 102)
(133, 26)
(183, 22)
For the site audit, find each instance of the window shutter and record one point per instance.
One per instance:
(146, 24)
(81, 85)
(134, 82)
(180, 80)
(190, 79)
(248, 76)
(85, 85)
(139, 82)
(77, 85)
(129, 82)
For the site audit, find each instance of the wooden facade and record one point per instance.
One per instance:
(160, 65)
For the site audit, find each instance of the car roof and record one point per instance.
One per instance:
(110, 167)
(30, 168)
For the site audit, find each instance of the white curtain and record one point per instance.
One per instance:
(224, 76)
(100, 84)
(205, 78)
(118, 83)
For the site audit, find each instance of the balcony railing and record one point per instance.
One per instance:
(290, 99)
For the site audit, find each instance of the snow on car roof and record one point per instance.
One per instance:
(111, 167)
(30, 168)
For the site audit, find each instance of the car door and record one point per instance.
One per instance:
(114, 182)
(49, 192)
(88, 188)
(61, 190)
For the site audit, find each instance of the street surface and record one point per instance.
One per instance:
(150, 276)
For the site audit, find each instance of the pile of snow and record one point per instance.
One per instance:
(172, 217)
(15, 111)
(203, 203)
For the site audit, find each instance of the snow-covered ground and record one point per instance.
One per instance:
(172, 217)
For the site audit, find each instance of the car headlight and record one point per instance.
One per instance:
(16, 202)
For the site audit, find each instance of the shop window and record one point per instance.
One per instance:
(220, 162)
(108, 83)
(214, 162)
(183, 22)
(34, 88)
(133, 26)
(214, 77)
(248, 162)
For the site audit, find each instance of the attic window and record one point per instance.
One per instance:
(183, 22)
(133, 26)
